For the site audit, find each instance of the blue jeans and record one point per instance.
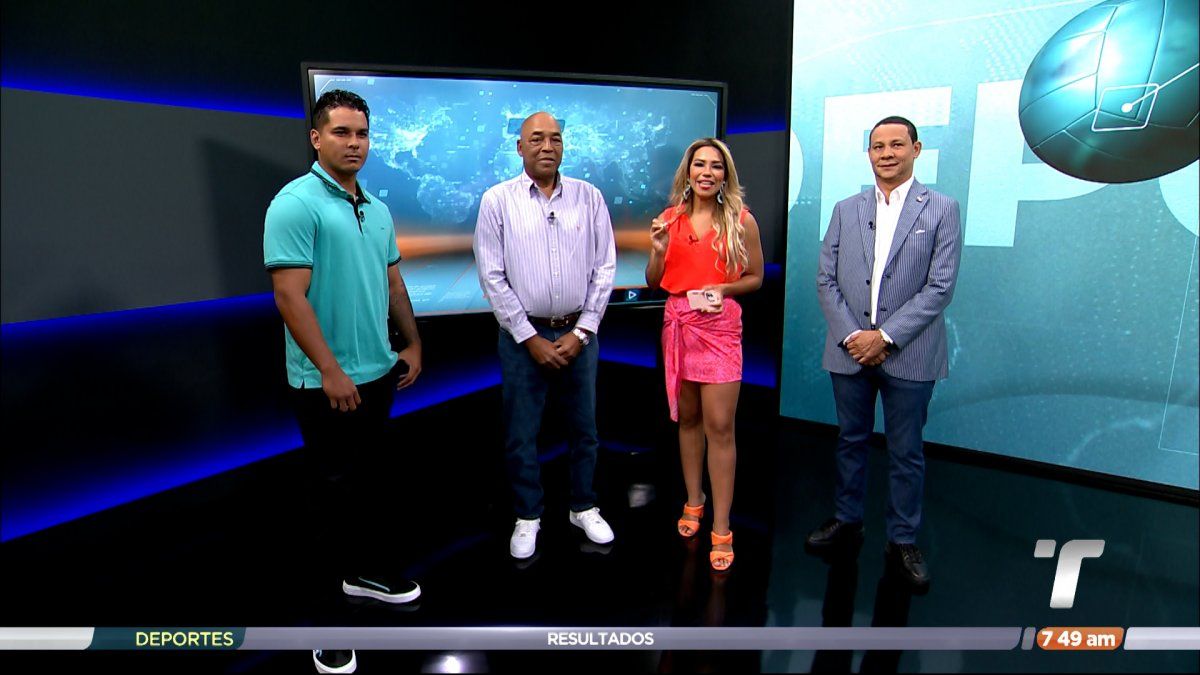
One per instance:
(525, 387)
(905, 408)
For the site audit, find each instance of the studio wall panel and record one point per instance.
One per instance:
(110, 205)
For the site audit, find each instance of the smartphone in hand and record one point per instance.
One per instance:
(705, 301)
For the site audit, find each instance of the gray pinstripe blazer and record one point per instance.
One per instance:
(917, 285)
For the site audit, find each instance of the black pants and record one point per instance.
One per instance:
(344, 455)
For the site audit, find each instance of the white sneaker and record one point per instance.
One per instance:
(593, 525)
(337, 661)
(524, 538)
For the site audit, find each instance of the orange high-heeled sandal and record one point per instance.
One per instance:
(693, 525)
(721, 560)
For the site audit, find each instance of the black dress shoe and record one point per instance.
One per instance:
(834, 531)
(908, 560)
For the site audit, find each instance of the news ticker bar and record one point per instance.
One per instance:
(542, 638)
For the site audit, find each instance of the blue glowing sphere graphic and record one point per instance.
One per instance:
(1113, 96)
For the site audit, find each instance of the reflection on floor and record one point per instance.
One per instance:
(234, 550)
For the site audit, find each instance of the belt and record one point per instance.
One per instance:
(555, 321)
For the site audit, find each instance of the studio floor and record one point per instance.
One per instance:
(236, 550)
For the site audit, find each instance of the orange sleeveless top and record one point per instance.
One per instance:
(691, 262)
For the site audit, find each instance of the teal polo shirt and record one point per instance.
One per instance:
(315, 224)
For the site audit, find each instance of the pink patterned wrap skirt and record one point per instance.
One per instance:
(699, 346)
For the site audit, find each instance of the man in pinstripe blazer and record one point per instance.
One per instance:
(887, 272)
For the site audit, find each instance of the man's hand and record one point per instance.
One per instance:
(878, 359)
(568, 346)
(544, 352)
(412, 356)
(340, 389)
(867, 347)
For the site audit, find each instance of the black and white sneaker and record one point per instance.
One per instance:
(334, 660)
(384, 588)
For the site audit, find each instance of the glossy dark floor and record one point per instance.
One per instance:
(235, 550)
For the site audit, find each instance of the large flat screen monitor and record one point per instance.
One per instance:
(440, 138)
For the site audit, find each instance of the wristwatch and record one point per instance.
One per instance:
(580, 333)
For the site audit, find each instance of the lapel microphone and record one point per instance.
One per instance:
(551, 217)
(871, 224)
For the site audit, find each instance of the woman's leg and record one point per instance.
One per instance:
(691, 445)
(718, 409)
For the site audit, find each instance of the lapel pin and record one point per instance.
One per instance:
(920, 198)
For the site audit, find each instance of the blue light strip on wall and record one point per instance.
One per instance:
(631, 352)
(447, 386)
(756, 127)
(241, 105)
(131, 318)
(176, 467)
(183, 464)
(175, 100)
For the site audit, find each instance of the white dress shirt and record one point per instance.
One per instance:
(887, 217)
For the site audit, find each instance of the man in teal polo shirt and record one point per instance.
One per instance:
(331, 250)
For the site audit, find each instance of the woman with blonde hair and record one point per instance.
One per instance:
(705, 249)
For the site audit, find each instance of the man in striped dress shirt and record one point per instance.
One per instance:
(546, 260)
(887, 272)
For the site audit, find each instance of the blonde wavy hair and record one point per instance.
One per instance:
(730, 240)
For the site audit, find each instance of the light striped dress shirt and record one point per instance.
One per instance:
(544, 257)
